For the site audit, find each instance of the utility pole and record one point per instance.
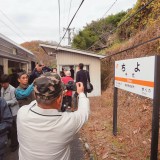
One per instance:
(69, 34)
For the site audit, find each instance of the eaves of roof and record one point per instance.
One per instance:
(14, 43)
(76, 51)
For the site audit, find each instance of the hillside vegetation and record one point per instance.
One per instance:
(140, 28)
(94, 31)
(99, 31)
(145, 18)
(41, 56)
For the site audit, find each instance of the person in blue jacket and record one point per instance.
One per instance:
(5, 124)
(24, 92)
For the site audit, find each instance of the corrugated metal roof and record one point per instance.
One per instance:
(72, 50)
(14, 43)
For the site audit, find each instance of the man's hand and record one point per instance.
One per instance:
(64, 93)
(80, 87)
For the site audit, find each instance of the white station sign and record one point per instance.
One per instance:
(136, 75)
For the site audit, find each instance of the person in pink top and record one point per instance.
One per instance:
(67, 99)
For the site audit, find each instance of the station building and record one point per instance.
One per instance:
(66, 57)
(14, 56)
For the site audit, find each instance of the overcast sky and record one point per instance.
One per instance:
(39, 19)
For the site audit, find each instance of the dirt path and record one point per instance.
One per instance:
(134, 127)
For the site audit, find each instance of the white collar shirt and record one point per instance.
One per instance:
(45, 134)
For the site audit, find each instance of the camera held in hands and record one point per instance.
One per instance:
(71, 85)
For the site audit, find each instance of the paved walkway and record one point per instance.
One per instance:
(76, 151)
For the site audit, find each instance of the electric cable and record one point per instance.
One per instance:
(104, 35)
(96, 30)
(12, 30)
(69, 24)
(69, 11)
(64, 10)
(135, 46)
(110, 7)
(12, 22)
(59, 18)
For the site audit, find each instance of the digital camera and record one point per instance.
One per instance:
(71, 86)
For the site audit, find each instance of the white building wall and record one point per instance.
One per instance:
(94, 68)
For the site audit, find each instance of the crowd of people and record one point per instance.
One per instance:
(32, 110)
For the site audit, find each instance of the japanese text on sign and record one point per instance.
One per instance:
(136, 75)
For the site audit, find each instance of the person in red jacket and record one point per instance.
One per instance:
(68, 95)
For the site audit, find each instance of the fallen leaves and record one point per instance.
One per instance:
(134, 127)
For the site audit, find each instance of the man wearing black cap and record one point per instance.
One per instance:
(37, 72)
(44, 132)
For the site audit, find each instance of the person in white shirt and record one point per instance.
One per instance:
(8, 93)
(44, 132)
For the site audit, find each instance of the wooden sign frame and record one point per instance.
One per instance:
(155, 113)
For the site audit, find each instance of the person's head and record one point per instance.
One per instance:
(71, 67)
(48, 90)
(65, 69)
(23, 78)
(39, 67)
(81, 66)
(4, 81)
(68, 73)
(54, 70)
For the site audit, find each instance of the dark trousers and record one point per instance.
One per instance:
(13, 133)
(67, 100)
(2, 157)
(75, 100)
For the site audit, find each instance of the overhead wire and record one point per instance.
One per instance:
(64, 16)
(96, 30)
(69, 11)
(59, 19)
(12, 30)
(69, 24)
(110, 7)
(12, 23)
(135, 46)
(104, 35)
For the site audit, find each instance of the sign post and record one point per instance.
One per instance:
(140, 76)
(115, 111)
(156, 109)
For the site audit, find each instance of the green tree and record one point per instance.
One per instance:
(96, 30)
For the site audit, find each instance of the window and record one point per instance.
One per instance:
(14, 51)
